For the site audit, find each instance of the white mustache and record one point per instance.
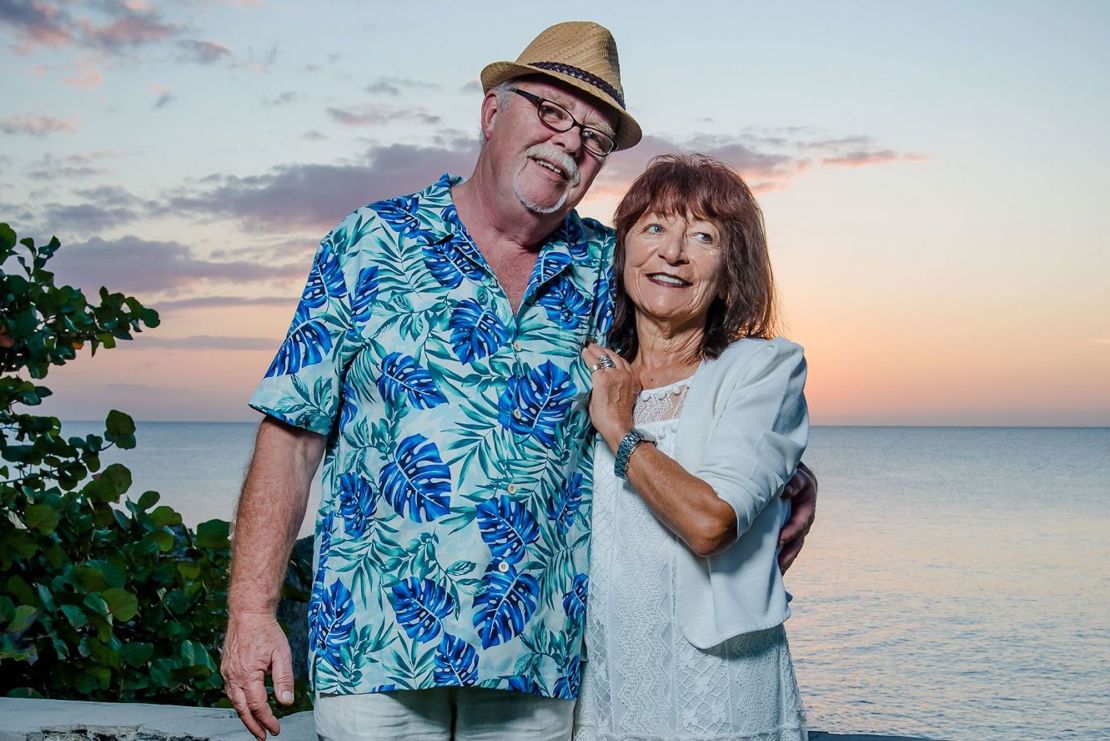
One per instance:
(557, 157)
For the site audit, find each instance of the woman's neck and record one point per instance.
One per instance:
(665, 354)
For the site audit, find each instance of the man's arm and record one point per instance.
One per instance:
(269, 516)
(801, 490)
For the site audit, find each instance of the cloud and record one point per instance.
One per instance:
(285, 98)
(474, 86)
(767, 160)
(164, 99)
(35, 125)
(111, 26)
(395, 85)
(38, 22)
(211, 342)
(87, 79)
(203, 52)
(313, 136)
(209, 302)
(105, 207)
(377, 114)
(49, 167)
(313, 196)
(138, 266)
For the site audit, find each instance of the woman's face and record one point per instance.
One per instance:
(673, 268)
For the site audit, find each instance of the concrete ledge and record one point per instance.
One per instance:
(71, 720)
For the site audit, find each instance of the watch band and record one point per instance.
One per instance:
(628, 444)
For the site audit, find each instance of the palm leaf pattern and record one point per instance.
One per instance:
(566, 687)
(456, 663)
(325, 279)
(420, 606)
(504, 604)
(448, 264)
(475, 332)
(331, 621)
(417, 480)
(549, 264)
(563, 507)
(366, 293)
(536, 404)
(574, 601)
(564, 304)
(507, 527)
(402, 376)
(357, 503)
(307, 342)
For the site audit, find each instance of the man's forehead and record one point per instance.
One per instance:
(585, 108)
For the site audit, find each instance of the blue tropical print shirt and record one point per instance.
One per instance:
(453, 532)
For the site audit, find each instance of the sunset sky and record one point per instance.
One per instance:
(933, 175)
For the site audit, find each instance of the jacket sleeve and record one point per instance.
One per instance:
(761, 426)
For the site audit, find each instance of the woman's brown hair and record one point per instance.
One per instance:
(704, 188)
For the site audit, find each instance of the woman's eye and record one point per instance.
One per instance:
(653, 229)
(704, 237)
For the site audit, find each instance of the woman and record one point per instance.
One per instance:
(686, 602)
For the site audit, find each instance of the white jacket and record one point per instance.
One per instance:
(743, 428)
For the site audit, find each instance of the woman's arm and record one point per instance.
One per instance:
(752, 450)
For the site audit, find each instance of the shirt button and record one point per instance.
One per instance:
(517, 346)
(511, 488)
(516, 414)
(503, 567)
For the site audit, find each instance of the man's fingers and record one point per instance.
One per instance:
(282, 672)
(259, 706)
(789, 553)
(239, 702)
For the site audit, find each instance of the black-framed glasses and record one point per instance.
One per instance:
(557, 118)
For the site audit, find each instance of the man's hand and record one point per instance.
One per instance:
(801, 490)
(255, 646)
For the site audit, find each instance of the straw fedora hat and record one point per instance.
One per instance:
(580, 54)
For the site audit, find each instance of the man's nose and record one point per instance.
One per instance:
(570, 141)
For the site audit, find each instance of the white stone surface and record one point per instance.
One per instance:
(20, 718)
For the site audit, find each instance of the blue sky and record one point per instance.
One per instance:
(931, 173)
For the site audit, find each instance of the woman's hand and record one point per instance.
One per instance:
(614, 394)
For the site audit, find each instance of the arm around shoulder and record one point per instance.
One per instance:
(760, 427)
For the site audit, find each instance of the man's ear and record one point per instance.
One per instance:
(490, 110)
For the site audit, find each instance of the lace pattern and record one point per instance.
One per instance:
(643, 681)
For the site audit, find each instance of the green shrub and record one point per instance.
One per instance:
(98, 601)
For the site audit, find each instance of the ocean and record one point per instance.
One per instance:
(956, 584)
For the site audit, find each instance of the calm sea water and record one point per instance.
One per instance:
(956, 585)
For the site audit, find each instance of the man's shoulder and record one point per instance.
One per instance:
(413, 215)
(595, 230)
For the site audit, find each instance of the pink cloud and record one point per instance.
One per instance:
(87, 79)
(36, 125)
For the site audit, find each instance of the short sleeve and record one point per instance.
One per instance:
(303, 385)
(761, 434)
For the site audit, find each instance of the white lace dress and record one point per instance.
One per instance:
(643, 681)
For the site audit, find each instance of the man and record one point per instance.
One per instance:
(434, 356)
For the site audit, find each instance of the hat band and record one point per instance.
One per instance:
(583, 75)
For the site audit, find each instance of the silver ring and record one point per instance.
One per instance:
(606, 362)
(595, 368)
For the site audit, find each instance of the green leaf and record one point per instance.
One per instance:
(7, 237)
(148, 500)
(119, 475)
(42, 517)
(213, 534)
(123, 604)
(96, 603)
(75, 615)
(137, 653)
(23, 619)
(163, 516)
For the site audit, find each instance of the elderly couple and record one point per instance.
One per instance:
(557, 460)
